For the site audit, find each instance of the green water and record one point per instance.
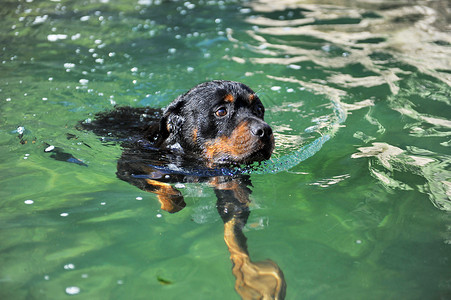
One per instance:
(364, 215)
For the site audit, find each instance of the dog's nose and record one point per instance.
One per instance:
(260, 129)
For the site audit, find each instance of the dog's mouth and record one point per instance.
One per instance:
(251, 141)
(261, 152)
(227, 159)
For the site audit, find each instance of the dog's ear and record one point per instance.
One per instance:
(172, 119)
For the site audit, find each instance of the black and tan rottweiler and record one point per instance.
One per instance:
(203, 135)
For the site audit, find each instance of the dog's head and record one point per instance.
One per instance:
(222, 121)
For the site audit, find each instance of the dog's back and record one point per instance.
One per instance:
(124, 124)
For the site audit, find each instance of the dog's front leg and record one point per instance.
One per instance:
(254, 280)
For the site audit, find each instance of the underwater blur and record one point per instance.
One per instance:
(354, 203)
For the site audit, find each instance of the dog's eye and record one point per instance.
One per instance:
(221, 112)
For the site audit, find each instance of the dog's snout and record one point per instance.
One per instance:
(260, 129)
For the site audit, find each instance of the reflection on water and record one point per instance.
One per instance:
(415, 161)
(351, 46)
(356, 33)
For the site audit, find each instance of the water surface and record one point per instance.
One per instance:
(355, 203)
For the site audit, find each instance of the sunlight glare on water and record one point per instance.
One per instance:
(354, 203)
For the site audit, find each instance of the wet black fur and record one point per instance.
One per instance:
(171, 130)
